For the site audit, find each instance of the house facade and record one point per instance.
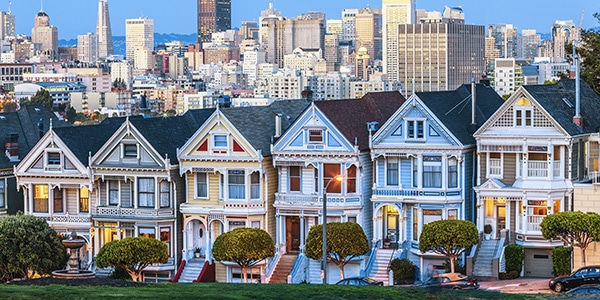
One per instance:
(230, 180)
(424, 164)
(529, 154)
(330, 138)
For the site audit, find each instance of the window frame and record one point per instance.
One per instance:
(236, 186)
(294, 179)
(415, 129)
(432, 165)
(84, 206)
(255, 185)
(110, 190)
(128, 152)
(58, 197)
(149, 194)
(452, 173)
(197, 183)
(316, 138)
(218, 143)
(391, 173)
(164, 193)
(2, 193)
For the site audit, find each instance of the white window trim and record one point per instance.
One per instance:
(322, 130)
(487, 163)
(196, 187)
(53, 167)
(137, 150)
(415, 138)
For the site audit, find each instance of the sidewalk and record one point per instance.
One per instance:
(519, 285)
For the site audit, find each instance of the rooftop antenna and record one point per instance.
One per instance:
(9, 4)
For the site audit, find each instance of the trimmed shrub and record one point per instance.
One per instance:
(514, 255)
(561, 260)
(404, 271)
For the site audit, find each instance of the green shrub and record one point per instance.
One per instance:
(514, 256)
(404, 271)
(561, 260)
(120, 273)
(458, 268)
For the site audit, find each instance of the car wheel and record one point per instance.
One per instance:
(558, 287)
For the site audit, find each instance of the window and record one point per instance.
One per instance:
(57, 196)
(452, 214)
(165, 237)
(523, 117)
(430, 215)
(255, 224)
(315, 136)
(415, 129)
(294, 179)
(452, 172)
(316, 183)
(415, 172)
(329, 172)
(53, 159)
(40, 198)
(495, 165)
(146, 192)
(392, 171)
(255, 185)
(201, 185)
(220, 141)
(147, 232)
(113, 192)
(415, 224)
(236, 184)
(84, 200)
(2, 193)
(432, 171)
(130, 151)
(351, 179)
(165, 194)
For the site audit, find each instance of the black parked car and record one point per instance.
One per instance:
(455, 281)
(359, 281)
(585, 275)
(592, 290)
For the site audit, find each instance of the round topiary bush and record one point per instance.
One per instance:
(404, 271)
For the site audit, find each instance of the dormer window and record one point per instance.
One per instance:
(53, 161)
(315, 135)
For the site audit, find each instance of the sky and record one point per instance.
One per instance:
(75, 17)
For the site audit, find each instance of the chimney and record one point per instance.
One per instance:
(12, 146)
(473, 100)
(277, 125)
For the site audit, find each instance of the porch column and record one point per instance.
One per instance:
(562, 161)
(302, 226)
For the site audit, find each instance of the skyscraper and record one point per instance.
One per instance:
(45, 36)
(7, 24)
(395, 12)
(139, 37)
(368, 31)
(563, 33)
(103, 31)
(506, 39)
(213, 16)
(87, 47)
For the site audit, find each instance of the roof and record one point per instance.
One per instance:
(24, 122)
(559, 101)
(453, 108)
(257, 123)
(352, 115)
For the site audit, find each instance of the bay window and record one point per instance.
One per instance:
(165, 194)
(392, 171)
(146, 192)
(40, 198)
(201, 185)
(294, 179)
(329, 172)
(255, 185)
(236, 184)
(432, 172)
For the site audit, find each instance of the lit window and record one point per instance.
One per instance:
(84, 200)
(40, 198)
(147, 232)
(329, 172)
(351, 179)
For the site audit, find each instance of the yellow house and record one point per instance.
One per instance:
(231, 182)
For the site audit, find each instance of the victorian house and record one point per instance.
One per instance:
(230, 182)
(529, 154)
(424, 166)
(330, 138)
(20, 131)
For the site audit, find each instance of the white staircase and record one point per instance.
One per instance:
(192, 269)
(482, 267)
(314, 272)
(379, 271)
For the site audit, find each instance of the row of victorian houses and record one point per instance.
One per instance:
(462, 154)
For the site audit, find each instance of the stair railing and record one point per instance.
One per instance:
(179, 271)
(298, 273)
(370, 260)
(270, 268)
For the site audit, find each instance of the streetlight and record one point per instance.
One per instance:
(338, 178)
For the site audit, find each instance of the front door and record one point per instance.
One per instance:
(292, 224)
(500, 220)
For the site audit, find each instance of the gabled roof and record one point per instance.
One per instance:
(559, 101)
(257, 123)
(453, 108)
(352, 115)
(24, 122)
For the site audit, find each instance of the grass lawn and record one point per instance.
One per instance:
(243, 291)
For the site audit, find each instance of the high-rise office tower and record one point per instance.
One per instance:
(368, 31)
(349, 25)
(7, 24)
(87, 47)
(213, 16)
(45, 35)
(563, 33)
(103, 31)
(394, 12)
(439, 56)
(506, 39)
(139, 36)
(529, 42)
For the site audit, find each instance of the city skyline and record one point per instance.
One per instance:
(184, 11)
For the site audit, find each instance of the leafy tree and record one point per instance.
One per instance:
(71, 114)
(574, 228)
(41, 98)
(589, 50)
(345, 241)
(244, 246)
(449, 238)
(133, 254)
(9, 106)
(28, 245)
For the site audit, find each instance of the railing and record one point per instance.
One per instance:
(298, 273)
(413, 192)
(537, 168)
(533, 223)
(137, 212)
(594, 176)
(270, 268)
(65, 218)
(371, 259)
(316, 199)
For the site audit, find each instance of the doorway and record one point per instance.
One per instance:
(292, 237)
(500, 220)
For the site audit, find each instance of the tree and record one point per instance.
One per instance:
(133, 254)
(41, 98)
(589, 50)
(345, 241)
(244, 246)
(28, 245)
(9, 106)
(449, 238)
(574, 228)
(71, 114)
